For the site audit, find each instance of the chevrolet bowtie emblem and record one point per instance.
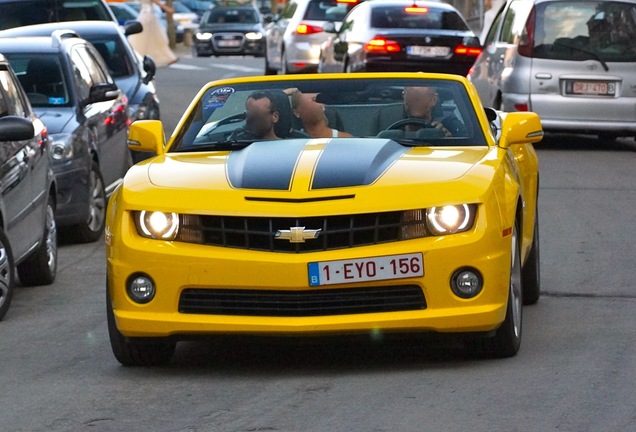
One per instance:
(297, 234)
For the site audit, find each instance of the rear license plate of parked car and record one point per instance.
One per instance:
(590, 88)
(427, 51)
(366, 269)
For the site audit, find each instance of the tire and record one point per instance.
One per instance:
(268, 69)
(91, 229)
(41, 267)
(7, 277)
(284, 69)
(507, 338)
(531, 273)
(137, 351)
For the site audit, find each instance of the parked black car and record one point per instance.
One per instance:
(232, 30)
(85, 113)
(133, 75)
(16, 13)
(400, 36)
(28, 235)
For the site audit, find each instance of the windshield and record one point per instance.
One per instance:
(411, 112)
(567, 30)
(220, 16)
(42, 79)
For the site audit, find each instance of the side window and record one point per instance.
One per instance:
(81, 75)
(515, 21)
(492, 32)
(11, 100)
(96, 68)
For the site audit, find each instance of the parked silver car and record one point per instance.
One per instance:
(572, 62)
(293, 39)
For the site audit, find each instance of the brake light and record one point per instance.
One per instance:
(380, 45)
(347, 1)
(521, 107)
(526, 40)
(470, 51)
(416, 9)
(306, 29)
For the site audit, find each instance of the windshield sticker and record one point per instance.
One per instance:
(218, 98)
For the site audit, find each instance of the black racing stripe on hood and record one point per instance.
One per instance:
(345, 162)
(265, 164)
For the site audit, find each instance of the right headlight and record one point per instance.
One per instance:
(450, 219)
(157, 225)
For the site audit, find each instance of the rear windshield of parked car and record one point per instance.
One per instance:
(434, 19)
(325, 10)
(572, 30)
(27, 12)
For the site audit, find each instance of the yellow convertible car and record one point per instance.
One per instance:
(326, 205)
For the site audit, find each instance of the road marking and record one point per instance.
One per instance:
(236, 68)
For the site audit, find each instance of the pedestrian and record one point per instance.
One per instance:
(153, 40)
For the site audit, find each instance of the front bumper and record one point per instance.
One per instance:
(175, 267)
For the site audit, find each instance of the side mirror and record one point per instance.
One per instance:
(13, 128)
(150, 68)
(132, 27)
(146, 136)
(520, 128)
(102, 92)
(330, 27)
(268, 18)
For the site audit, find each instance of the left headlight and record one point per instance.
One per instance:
(157, 225)
(450, 219)
(62, 146)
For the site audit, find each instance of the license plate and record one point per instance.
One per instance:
(228, 43)
(591, 88)
(427, 51)
(366, 269)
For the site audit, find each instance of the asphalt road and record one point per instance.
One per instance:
(574, 372)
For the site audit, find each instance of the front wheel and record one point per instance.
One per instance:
(41, 267)
(137, 351)
(507, 338)
(531, 273)
(91, 229)
(7, 280)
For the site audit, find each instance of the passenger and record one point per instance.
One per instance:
(261, 116)
(312, 115)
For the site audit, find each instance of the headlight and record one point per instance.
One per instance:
(61, 146)
(204, 36)
(450, 219)
(157, 225)
(253, 36)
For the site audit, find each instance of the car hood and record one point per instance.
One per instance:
(312, 170)
(55, 119)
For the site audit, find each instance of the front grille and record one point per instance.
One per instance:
(336, 232)
(301, 303)
(228, 41)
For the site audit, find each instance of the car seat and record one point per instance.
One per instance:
(284, 127)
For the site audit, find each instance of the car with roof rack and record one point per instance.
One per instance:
(86, 115)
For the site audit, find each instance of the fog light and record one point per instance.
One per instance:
(466, 282)
(141, 289)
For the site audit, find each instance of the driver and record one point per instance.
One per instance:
(261, 116)
(419, 103)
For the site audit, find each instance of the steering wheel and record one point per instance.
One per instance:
(410, 121)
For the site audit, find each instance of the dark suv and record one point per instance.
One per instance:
(70, 89)
(28, 237)
(16, 13)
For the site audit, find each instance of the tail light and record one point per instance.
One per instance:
(526, 41)
(380, 45)
(347, 1)
(469, 51)
(416, 9)
(307, 29)
(521, 106)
